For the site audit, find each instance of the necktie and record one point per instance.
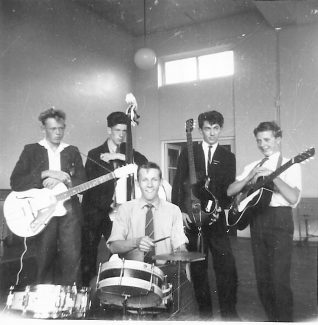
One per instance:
(149, 221)
(262, 161)
(210, 155)
(149, 231)
(115, 162)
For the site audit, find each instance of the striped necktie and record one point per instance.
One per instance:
(149, 231)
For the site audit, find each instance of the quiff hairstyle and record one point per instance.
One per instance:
(116, 118)
(269, 126)
(149, 165)
(213, 117)
(57, 114)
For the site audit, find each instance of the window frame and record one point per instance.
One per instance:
(186, 55)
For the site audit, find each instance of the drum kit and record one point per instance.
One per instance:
(133, 286)
(49, 301)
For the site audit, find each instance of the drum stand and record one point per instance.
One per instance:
(178, 290)
(125, 306)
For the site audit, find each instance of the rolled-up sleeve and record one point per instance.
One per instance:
(120, 227)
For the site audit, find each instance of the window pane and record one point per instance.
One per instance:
(180, 71)
(216, 65)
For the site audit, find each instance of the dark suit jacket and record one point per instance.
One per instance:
(34, 159)
(222, 173)
(101, 196)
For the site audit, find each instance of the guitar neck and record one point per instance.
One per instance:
(192, 173)
(273, 175)
(85, 186)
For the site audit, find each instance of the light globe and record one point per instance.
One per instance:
(145, 58)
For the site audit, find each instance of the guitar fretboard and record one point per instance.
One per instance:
(85, 186)
(192, 173)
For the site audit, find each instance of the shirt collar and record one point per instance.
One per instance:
(274, 156)
(206, 145)
(143, 203)
(60, 148)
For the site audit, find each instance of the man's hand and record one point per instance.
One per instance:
(186, 220)
(58, 175)
(259, 172)
(107, 156)
(50, 183)
(145, 244)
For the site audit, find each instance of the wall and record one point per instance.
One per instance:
(275, 74)
(54, 53)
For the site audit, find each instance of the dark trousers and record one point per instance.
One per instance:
(96, 224)
(215, 239)
(59, 250)
(272, 241)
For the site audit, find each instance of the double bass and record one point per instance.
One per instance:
(125, 189)
(128, 189)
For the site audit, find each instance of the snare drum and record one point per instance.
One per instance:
(137, 284)
(49, 301)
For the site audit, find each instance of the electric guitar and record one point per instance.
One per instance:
(199, 198)
(28, 212)
(258, 195)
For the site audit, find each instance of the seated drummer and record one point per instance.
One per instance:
(131, 238)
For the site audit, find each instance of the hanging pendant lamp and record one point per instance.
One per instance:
(145, 58)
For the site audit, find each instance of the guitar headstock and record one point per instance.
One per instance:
(131, 110)
(304, 155)
(189, 125)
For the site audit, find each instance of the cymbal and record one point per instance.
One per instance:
(181, 256)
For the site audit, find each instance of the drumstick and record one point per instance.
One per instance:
(155, 241)
(161, 239)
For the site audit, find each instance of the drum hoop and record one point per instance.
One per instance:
(129, 282)
(134, 265)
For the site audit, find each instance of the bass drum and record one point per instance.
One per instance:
(137, 283)
(49, 301)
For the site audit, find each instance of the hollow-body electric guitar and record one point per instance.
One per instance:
(258, 195)
(199, 198)
(28, 212)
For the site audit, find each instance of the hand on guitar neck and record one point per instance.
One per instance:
(108, 156)
(51, 178)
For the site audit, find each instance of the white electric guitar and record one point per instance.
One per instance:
(27, 213)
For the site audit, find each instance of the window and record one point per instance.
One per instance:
(200, 67)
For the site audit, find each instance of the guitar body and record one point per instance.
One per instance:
(200, 203)
(28, 212)
(246, 205)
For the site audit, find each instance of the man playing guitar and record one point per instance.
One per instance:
(272, 227)
(219, 167)
(46, 165)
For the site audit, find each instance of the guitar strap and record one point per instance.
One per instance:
(279, 163)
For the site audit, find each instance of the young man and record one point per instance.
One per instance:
(218, 164)
(129, 237)
(97, 202)
(49, 163)
(272, 227)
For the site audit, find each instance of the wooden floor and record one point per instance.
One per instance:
(304, 278)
